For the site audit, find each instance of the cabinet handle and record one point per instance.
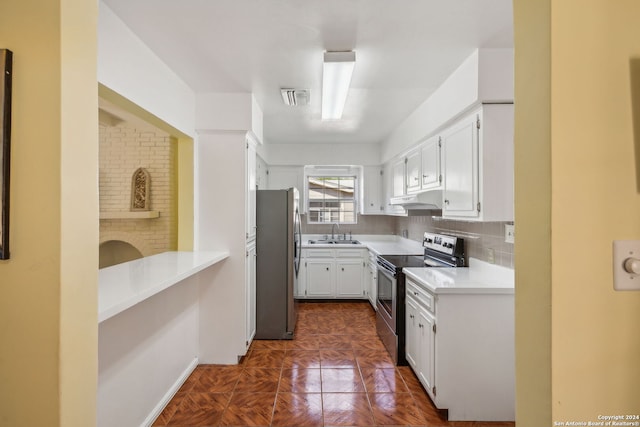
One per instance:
(425, 176)
(420, 325)
(446, 201)
(415, 293)
(415, 178)
(411, 316)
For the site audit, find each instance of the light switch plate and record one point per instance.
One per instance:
(509, 233)
(622, 280)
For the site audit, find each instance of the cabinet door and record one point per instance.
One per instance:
(251, 192)
(373, 284)
(398, 178)
(413, 171)
(250, 278)
(372, 191)
(320, 278)
(460, 145)
(261, 173)
(426, 354)
(412, 345)
(301, 281)
(283, 177)
(349, 278)
(431, 176)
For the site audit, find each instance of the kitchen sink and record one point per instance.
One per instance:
(334, 242)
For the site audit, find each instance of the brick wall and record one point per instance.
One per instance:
(123, 149)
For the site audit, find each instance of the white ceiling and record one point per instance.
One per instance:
(404, 51)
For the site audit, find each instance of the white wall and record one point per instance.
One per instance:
(485, 76)
(127, 66)
(220, 225)
(144, 352)
(238, 111)
(321, 154)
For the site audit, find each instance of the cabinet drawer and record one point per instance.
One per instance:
(348, 253)
(421, 296)
(318, 253)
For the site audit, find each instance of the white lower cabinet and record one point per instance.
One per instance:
(349, 278)
(332, 273)
(420, 340)
(250, 277)
(372, 280)
(320, 278)
(461, 347)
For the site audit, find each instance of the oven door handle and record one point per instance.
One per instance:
(385, 270)
(387, 273)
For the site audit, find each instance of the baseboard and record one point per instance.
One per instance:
(155, 413)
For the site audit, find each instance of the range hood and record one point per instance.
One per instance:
(428, 201)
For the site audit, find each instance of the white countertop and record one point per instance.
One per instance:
(479, 278)
(124, 285)
(379, 244)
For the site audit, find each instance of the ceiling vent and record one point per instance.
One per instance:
(295, 97)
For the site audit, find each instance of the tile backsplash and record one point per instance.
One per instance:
(483, 240)
(367, 224)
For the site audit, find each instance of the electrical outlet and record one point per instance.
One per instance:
(509, 233)
(491, 256)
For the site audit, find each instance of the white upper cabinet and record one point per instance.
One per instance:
(461, 169)
(393, 177)
(251, 190)
(372, 191)
(397, 171)
(261, 173)
(413, 170)
(431, 177)
(477, 162)
(283, 177)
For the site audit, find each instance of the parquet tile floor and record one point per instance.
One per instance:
(336, 372)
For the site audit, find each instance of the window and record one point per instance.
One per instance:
(331, 199)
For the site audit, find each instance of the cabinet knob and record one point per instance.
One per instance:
(425, 176)
(446, 201)
(415, 293)
(327, 268)
(411, 316)
(420, 325)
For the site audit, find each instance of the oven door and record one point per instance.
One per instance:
(387, 288)
(386, 326)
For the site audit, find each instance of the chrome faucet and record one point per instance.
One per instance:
(333, 236)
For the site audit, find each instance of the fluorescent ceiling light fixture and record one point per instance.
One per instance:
(336, 78)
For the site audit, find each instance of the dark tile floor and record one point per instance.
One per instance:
(335, 372)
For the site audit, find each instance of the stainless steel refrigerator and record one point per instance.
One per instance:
(278, 249)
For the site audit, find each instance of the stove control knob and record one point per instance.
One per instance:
(632, 265)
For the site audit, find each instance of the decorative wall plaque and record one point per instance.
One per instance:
(140, 194)
(6, 68)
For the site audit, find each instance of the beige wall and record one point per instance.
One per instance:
(532, 212)
(48, 289)
(596, 330)
(578, 344)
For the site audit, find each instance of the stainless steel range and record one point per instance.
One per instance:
(439, 251)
